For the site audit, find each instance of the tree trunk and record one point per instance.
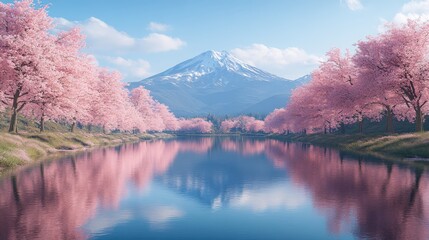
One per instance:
(104, 129)
(14, 118)
(15, 190)
(72, 126)
(389, 120)
(360, 126)
(43, 183)
(419, 120)
(343, 128)
(14, 121)
(89, 128)
(42, 123)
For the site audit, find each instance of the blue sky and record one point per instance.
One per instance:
(285, 37)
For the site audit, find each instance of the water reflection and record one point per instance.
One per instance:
(59, 200)
(52, 201)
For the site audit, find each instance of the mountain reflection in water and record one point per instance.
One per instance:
(83, 196)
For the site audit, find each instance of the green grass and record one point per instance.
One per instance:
(405, 145)
(31, 145)
(26, 148)
(11, 151)
(9, 161)
(400, 146)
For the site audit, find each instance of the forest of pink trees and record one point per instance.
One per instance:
(242, 124)
(386, 78)
(46, 76)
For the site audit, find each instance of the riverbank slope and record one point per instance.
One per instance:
(26, 148)
(409, 147)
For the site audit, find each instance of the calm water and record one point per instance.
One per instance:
(215, 188)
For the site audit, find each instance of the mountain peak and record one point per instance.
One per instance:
(215, 54)
(212, 63)
(217, 82)
(213, 60)
(219, 56)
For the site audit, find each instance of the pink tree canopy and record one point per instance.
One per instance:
(396, 65)
(198, 125)
(242, 123)
(27, 46)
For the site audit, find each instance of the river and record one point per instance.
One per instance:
(215, 188)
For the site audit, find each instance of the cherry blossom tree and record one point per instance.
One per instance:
(228, 124)
(242, 123)
(346, 96)
(78, 77)
(2, 102)
(397, 62)
(145, 105)
(45, 75)
(374, 78)
(198, 125)
(305, 110)
(332, 98)
(25, 43)
(155, 116)
(255, 125)
(106, 108)
(277, 121)
(170, 121)
(129, 119)
(58, 96)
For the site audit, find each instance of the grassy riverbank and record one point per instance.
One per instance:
(397, 146)
(26, 148)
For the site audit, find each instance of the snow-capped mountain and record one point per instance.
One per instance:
(218, 83)
(211, 64)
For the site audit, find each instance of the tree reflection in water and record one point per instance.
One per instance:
(371, 199)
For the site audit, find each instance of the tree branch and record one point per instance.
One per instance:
(21, 107)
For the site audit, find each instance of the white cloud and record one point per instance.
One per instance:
(157, 42)
(119, 50)
(260, 54)
(130, 68)
(160, 216)
(382, 26)
(103, 38)
(158, 27)
(107, 220)
(416, 9)
(63, 24)
(354, 5)
(277, 196)
(290, 62)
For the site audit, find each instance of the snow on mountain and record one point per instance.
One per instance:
(209, 63)
(218, 83)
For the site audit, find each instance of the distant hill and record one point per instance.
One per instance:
(218, 83)
(266, 106)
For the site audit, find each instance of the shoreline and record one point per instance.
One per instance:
(24, 149)
(408, 148)
(221, 135)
